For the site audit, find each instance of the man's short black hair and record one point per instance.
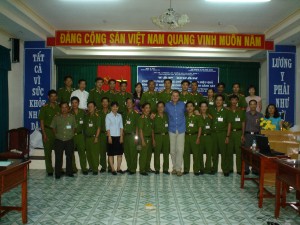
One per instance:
(123, 82)
(219, 95)
(112, 80)
(63, 103)
(195, 82)
(52, 91)
(68, 77)
(104, 98)
(99, 78)
(203, 102)
(211, 89)
(160, 102)
(252, 100)
(82, 80)
(114, 103)
(176, 91)
(132, 100)
(236, 84)
(185, 81)
(75, 98)
(189, 102)
(91, 102)
(234, 97)
(165, 80)
(149, 81)
(145, 104)
(221, 84)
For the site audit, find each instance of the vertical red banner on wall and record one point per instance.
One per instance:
(118, 73)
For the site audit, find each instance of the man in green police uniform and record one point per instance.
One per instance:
(150, 96)
(161, 139)
(192, 140)
(79, 142)
(197, 96)
(64, 126)
(220, 135)
(242, 104)
(145, 134)
(221, 91)
(48, 111)
(96, 94)
(64, 94)
(206, 142)
(130, 120)
(185, 96)
(103, 137)
(237, 119)
(112, 92)
(91, 128)
(122, 96)
(165, 95)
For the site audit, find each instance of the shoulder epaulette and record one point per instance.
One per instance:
(46, 104)
(96, 113)
(93, 89)
(136, 111)
(60, 88)
(210, 116)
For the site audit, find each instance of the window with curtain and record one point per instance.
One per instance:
(5, 66)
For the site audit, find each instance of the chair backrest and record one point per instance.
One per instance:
(19, 139)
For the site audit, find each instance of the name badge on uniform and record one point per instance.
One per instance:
(90, 125)
(220, 119)
(211, 103)
(224, 105)
(207, 127)
(191, 125)
(156, 101)
(81, 122)
(237, 119)
(68, 127)
(196, 103)
(166, 125)
(128, 122)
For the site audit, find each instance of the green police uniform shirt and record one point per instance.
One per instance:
(210, 103)
(130, 120)
(121, 99)
(64, 126)
(91, 123)
(96, 96)
(236, 118)
(192, 124)
(47, 113)
(164, 96)
(102, 115)
(145, 124)
(197, 98)
(186, 97)
(79, 118)
(64, 95)
(220, 119)
(161, 124)
(151, 98)
(205, 124)
(242, 101)
(111, 95)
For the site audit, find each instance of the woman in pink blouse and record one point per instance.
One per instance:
(252, 96)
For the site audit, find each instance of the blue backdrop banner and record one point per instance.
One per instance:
(37, 83)
(281, 73)
(207, 77)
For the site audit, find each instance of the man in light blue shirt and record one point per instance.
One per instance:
(176, 114)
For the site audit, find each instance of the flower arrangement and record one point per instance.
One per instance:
(286, 125)
(266, 124)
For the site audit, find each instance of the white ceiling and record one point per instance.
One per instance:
(37, 19)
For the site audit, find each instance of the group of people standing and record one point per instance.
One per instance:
(170, 122)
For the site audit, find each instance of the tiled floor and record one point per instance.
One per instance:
(107, 199)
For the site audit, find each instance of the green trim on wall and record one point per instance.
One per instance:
(245, 73)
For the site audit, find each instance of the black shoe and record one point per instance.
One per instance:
(255, 172)
(197, 174)
(131, 173)
(151, 171)
(247, 172)
(57, 176)
(239, 173)
(50, 174)
(231, 171)
(114, 173)
(102, 171)
(70, 175)
(144, 173)
(201, 172)
(185, 173)
(166, 172)
(226, 174)
(156, 172)
(85, 173)
(121, 171)
(62, 172)
(90, 170)
(95, 173)
(212, 173)
(75, 171)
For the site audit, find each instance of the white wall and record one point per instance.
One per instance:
(263, 84)
(15, 85)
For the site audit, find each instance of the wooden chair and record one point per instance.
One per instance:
(17, 139)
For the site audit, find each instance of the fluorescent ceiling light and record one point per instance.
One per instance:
(238, 1)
